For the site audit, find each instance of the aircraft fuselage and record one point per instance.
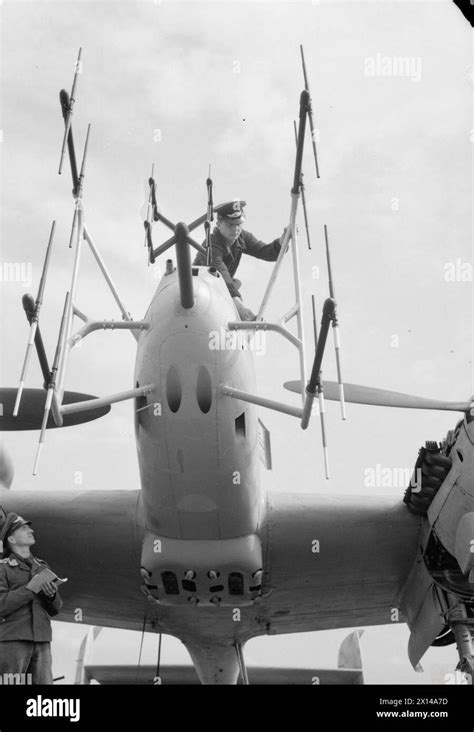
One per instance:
(198, 450)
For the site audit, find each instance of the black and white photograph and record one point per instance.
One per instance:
(236, 366)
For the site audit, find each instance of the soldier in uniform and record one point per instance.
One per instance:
(228, 242)
(25, 626)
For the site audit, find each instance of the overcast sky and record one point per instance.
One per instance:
(183, 85)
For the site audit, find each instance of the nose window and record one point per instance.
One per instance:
(170, 583)
(173, 389)
(236, 583)
(204, 389)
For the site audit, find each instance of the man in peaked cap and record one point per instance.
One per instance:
(25, 626)
(229, 241)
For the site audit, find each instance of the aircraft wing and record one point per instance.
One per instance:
(335, 561)
(331, 561)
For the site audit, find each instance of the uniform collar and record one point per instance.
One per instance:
(14, 560)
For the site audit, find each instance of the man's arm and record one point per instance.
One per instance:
(11, 600)
(258, 249)
(244, 312)
(49, 596)
(220, 265)
(52, 603)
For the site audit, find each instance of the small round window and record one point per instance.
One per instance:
(204, 389)
(173, 389)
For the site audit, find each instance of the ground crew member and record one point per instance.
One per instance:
(228, 242)
(25, 627)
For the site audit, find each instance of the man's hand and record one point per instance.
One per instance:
(244, 312)
(48, 588)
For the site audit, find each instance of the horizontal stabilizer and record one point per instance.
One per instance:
(358, 394)
(32, 409)
(186, 674)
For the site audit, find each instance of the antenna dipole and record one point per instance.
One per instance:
(153, 209)
(51, 385)
(149, 209)
(303, 194)
(310, 113)
(320, 393)
(34, 321)
(209, 217)
(315, 324)
(67, 120)
(80, 184)
(335, 327)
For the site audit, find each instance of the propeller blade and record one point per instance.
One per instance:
(357, 394)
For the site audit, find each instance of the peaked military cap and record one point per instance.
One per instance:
(231, 210)
(12, 522)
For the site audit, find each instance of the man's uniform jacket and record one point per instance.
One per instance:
(24, 616)
(226, 258)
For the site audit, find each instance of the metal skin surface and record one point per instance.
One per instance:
(328, 561)
(188, 458)
(450, 519)
(455, 498)
(366, 550)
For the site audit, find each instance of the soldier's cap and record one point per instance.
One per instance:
(231, 211)
(12, 522)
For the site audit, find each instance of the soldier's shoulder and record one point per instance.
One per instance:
(247, 235)
(248, 238)
(9, 562)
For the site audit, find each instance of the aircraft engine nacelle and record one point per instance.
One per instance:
(451, 515)
(438, 597)
(464, 545)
